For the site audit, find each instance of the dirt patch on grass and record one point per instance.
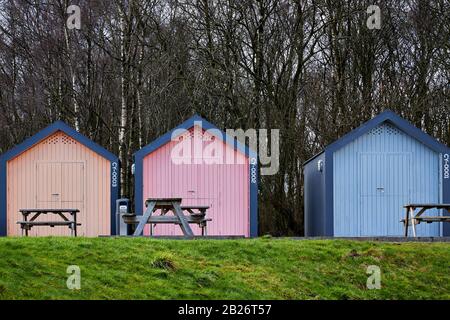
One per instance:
(164, 261)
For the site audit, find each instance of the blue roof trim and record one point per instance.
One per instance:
(44, 133)
(187, 125)
(313, 157)
(234, 143)
(58, 126)
(398, 121)
(393, 118)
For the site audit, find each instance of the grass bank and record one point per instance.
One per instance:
(143, 268)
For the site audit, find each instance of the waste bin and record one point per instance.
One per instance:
(122, 207)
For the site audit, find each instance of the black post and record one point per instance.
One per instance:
(406, 222)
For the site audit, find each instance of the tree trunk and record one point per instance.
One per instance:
(123, 102)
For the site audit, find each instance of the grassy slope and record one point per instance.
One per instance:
(124, 268)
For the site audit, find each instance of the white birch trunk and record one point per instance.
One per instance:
(72, 77)
(139, 95)
(123, 106)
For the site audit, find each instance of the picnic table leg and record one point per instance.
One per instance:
(413, 221)
(187, 231)
(406, 222)
(75, 224)
(148, 212)
(26, 227)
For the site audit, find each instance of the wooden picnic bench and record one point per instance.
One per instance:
(27, 224)
(412, 218)
(197, 215)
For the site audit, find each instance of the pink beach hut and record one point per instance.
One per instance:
(59, 168)
(202, 165)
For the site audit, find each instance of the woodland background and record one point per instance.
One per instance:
(137, 68)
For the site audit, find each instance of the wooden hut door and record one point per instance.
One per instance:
(384, 183)
(48, 185)
(60, 185)
(72, 185)
(194, 182)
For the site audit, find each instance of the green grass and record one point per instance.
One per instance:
(142, 268)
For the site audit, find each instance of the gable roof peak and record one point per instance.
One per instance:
(399, 122)
(186, 125)
(56, 126)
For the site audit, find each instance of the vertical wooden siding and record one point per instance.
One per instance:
(410, 173)
(224, 187)
(67, 166)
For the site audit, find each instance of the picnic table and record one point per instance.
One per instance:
(27, 224)
(196, 215)
(412, 217)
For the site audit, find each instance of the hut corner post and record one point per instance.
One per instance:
(115, 192)
(446, 188)
(3, 205)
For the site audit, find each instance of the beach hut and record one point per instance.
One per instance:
(59, 168)
(358, 185)
(205, 167)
